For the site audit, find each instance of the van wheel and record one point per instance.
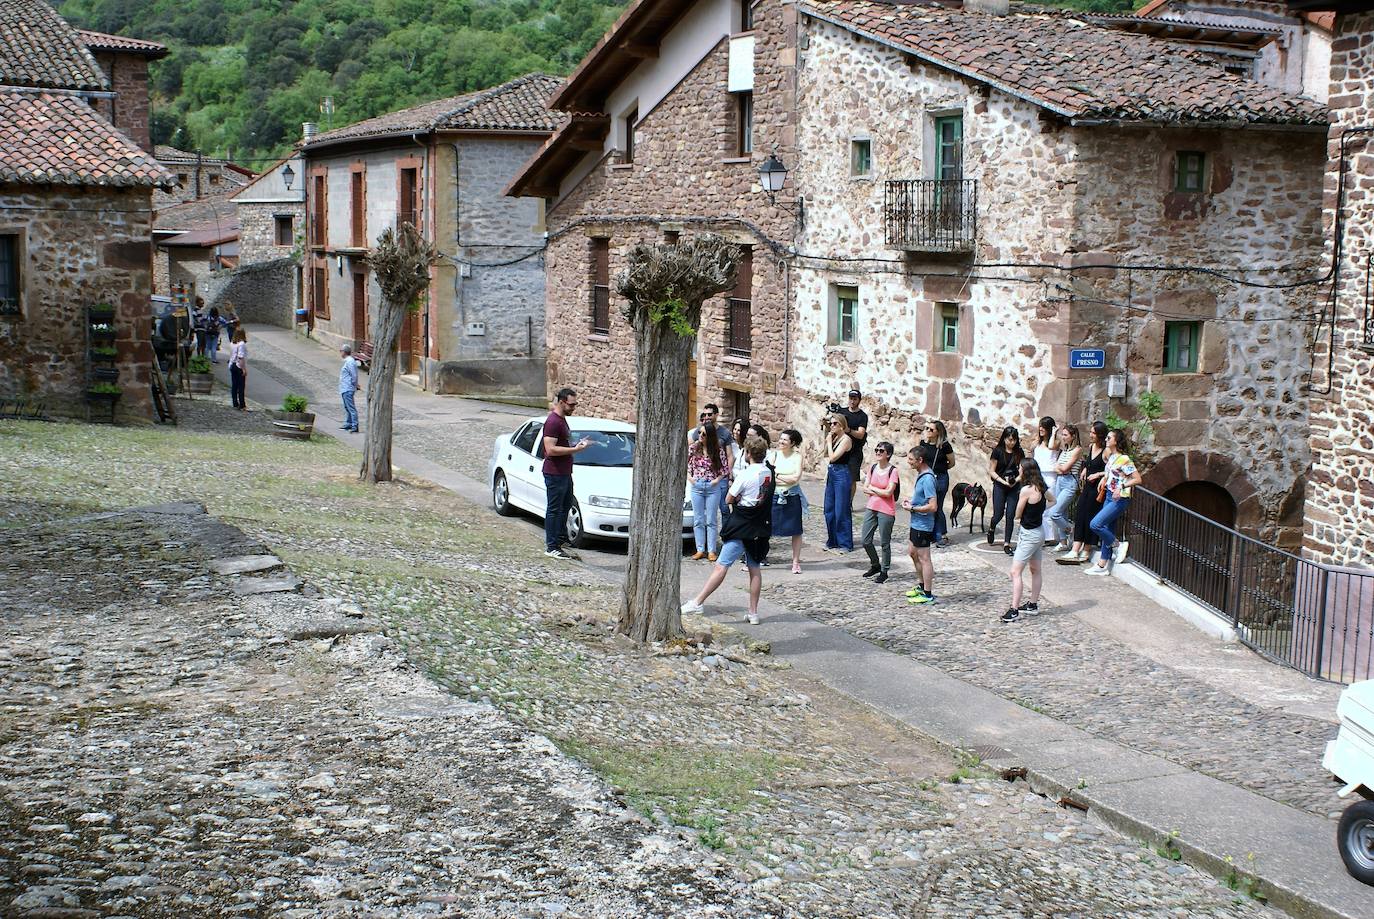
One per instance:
(1355, 839)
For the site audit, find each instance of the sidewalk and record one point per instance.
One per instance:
(1106, 698)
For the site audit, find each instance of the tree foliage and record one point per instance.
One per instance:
(244, 74)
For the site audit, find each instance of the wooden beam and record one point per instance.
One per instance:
(639, 49)
(586, 144)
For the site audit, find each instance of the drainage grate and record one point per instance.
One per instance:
(989, 752)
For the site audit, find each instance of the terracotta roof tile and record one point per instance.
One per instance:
(1076, 68)
(519, 105)
(40, 48)
(211, 211)
(102, 41)
(59, 139)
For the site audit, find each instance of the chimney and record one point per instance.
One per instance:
(309, 129)
(991, 7)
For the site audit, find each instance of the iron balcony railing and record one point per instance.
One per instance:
(931, 215)
(1313, 617)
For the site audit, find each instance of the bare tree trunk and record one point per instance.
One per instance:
(381, 392)
(649, 604)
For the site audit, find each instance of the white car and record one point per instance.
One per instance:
(602, 477)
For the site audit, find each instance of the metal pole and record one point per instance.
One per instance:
(1238, 583)
(1321, 624)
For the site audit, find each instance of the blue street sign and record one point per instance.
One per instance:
(1087, 359)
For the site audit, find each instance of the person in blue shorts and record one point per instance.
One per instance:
(922, 504)
(745, 534)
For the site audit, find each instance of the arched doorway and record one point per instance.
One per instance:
(1207, 499)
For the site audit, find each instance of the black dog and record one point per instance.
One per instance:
(977, 500)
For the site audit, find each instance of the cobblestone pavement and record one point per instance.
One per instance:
(1055, 664)
(305, 379)
(154, 729)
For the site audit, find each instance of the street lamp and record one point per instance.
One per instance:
(288, 175)
(772, 175)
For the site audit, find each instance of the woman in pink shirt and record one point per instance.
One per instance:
(880, 484)
(708, 464)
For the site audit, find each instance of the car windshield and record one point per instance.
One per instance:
(609, 448)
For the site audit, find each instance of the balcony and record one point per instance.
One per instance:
(931, 215)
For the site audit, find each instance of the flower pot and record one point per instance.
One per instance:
(101, 314)
(97, 358)
(102, 396)
(201, 384)
(293, 425)
(105, 374)
(103, 334)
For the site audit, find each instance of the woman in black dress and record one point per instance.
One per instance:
(1004, 464)
(1088, 504)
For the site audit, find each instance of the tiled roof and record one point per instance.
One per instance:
(1082, 71)
(57, 138)
(519, 105)
(168, 154)
(211, 211)
(101, 41)
(40, 48)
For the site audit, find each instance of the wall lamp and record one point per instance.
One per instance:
(772, 177)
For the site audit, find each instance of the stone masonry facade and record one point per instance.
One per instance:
(258, 230)
(129, 109)
(681, 185)
(1339, 516)
(80, 247)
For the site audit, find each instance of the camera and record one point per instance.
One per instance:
(834, 407)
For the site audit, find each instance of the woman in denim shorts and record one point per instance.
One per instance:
(1034, 500)
(745, 534)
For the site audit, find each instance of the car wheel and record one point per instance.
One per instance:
(577, 531)
(1355, 839)
(500, 495)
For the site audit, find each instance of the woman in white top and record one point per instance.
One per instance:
(1046, 453)
(787, 507)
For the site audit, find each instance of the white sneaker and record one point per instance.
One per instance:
(692, 606)
(1096, 570)
(753, 620)
(1119, 553)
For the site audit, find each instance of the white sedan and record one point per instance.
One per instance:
(602, 477)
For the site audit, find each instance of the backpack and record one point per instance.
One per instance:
(896, 492)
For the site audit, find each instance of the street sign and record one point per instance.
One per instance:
(1087, 359)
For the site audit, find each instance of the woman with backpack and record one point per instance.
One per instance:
(882, 484)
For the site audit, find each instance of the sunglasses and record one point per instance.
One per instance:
(882, 451)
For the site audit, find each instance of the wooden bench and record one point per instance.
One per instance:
(364, 356)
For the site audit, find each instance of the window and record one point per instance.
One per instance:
(357, 204)
(601, 286)
(1182, 341)
(744, 123)
(844, 313)
(860, 157)
(409, 198)
(319, 217)
(949, 147)
(739, 404)
(9, 274)
(214, 178)
(359, 307)
(319, 292)
(525, 439)
(947, 327)
(181, 179)
(739, 307)
(630, 120)
(746, 15)
(284, 229)
(1190, 172)
(671, 237)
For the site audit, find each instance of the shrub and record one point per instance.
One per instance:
(198, 363)
(294, 403)
(104, 389)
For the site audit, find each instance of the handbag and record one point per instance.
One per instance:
(1102, 490)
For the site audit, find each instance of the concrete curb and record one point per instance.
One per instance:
(1176, 602)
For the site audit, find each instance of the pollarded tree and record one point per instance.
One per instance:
(665, 287)
(401, 262)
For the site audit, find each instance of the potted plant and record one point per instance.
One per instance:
(104, 354)
(202, 380)
(102, 312)
(103, 392)
(102, 331)
(293, 422)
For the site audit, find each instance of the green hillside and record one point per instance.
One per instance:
(244, 74)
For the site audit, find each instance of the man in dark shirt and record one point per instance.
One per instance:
(558, 471)
(857, 419)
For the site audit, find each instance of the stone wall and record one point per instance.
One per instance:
(1339, 515)
(262, 292)
(258, 230)
(1259, 221)
(684, 180)
(81, 247)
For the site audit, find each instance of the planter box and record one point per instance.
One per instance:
(103, 334)
(105, 374)
(202, 384)
(103, 358)
(293, 425)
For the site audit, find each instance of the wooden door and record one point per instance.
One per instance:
(360, 325)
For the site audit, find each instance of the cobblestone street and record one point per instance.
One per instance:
(171, 747)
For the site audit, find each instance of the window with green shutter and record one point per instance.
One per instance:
(1182, 341)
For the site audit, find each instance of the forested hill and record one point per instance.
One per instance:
(244, 74)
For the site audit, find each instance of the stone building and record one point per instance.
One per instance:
(197, 176)
(75, 221)
(442, 166)
(192, 241)
(124, 61)
(954, 223)
(1340, 500)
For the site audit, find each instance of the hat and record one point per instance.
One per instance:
(855, 392)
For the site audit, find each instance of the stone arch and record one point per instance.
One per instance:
(1199, 466)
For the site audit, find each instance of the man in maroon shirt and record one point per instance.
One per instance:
(558, 469)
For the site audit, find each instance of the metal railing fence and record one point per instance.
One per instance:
(931, 215)
(1316, 618)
